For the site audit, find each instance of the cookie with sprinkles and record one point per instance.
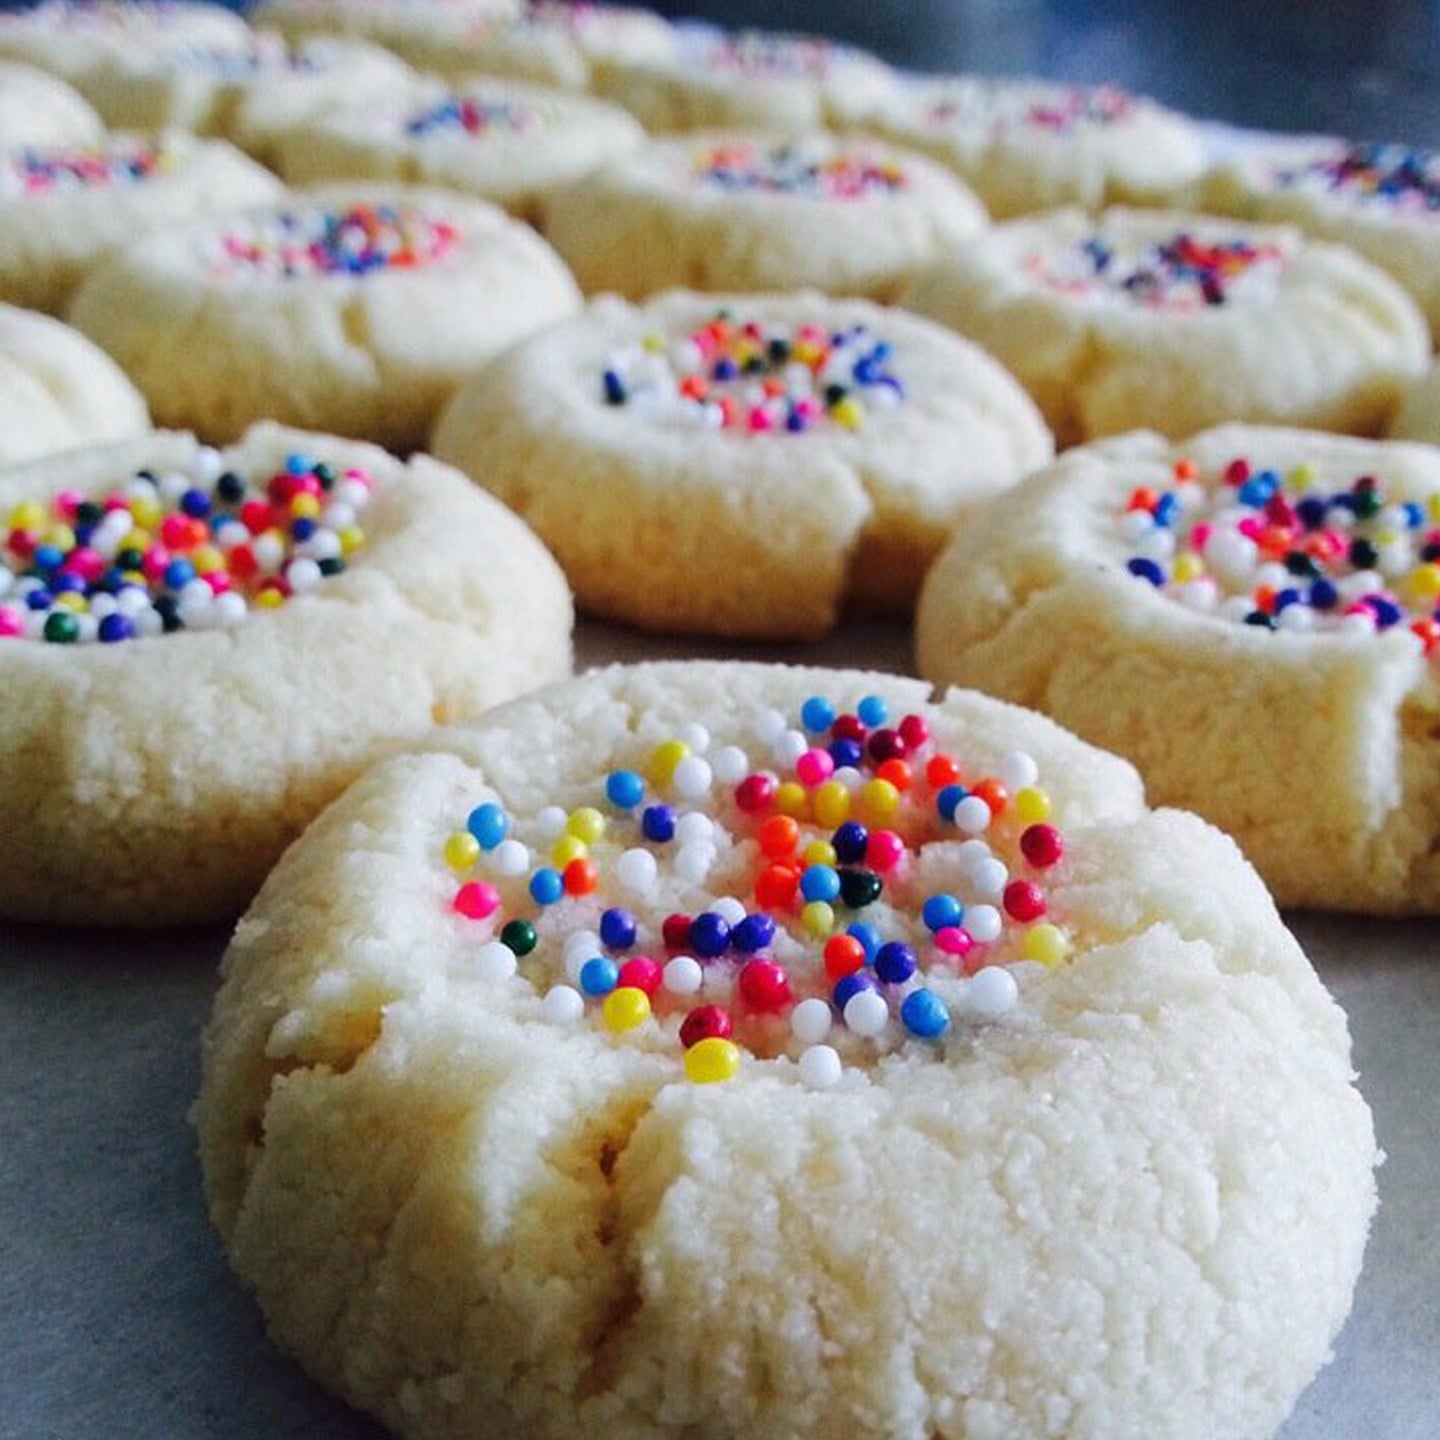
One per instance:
(70, 38)
(500, 140)
(245, 96)
(356, 310)
(550, 42)
(37, 108)
(1252, 617)
(653, 1031)
(59, 390)
(743, 79)
(1381, 199)
(1172, 322)
(1028, 145)
(64, 209)
(754, 212)
(743, 465)
(386, 22)
(200, 648)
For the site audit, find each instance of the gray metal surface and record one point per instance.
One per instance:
(118, 1317)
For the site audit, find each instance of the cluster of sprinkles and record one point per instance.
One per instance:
(1390, 176)
(1003, 107)
(760, 55)
(863, 897)
(473, 115)
(729, 375)
(1178, 273)
(121, 161)
(180, 550)
(1288, 552)
(356, 241)
(794, 170)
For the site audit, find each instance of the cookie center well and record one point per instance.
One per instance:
(751, 378)
(793, 170)
(194, 549)
(46, 170)
(477, 116)
(1001, 110)
(1382, 177)
(1291, 550)
(360, 240)
(835, 888)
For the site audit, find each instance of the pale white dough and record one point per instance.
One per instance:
(37, 108)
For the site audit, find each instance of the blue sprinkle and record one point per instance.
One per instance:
(817, 714)
(709, 935)
(624, 789)
(895, 962)
(617, 929)
(941, 911)
(820, 882)
(1144, 569)
(546, 886)
(658, 823)
(599, 976)
(488, 824)
(872, 711)
(924, 1015)
(850, 840)
(753, 933)
(868, 936)
(948, 799)
(849, 986)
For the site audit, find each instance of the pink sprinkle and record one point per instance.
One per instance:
(952, 940)
(476, 900)
(760, 419)
(814, 767)
(12, 622)
(67, 502)
(1251, 527)
(883, 850)
(1200, 536)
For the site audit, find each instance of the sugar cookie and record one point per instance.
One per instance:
(1247, 617)
(746, 212)
(1174, 322)
(356, 311)
(645, 1142)
(58, 390)
(387, 22)
(63, 209)
(37, 108)
(199, 649)
(742, 465)
(1027, 145)
(499, 140)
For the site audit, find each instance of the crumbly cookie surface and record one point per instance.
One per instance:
(476, 1201)
(1250, 617)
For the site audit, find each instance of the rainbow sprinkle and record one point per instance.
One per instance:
(35, 171)
(467, 115)
(1001, 108)
(1179, 273)
(1284, 552)
(357, 241)
(791, 170)
(734, 376)
(871, 893)
(176, 551)
(1392, 177)
(759, 55)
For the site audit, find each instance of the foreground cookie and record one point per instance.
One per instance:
(39, 109)
(245, 96)
(58, 390)
(357, 311)
(387, 22)
(551, 42)
(199, 649)
(63, 210)
(1175, 322)
(743, 465)
(1252, 617)
(743, 79)
(1379, 199)
(499, 140)
(1032, 145)
(745, 212)
(740, 1051)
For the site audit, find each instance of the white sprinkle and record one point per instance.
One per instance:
(551, 822)
(683, 975)
(1198, 594)
(820, 1067)
(1296, 617)
(790, 747)
(206, 465)
(729, 909)
(849, 777)
(101, 604)
(230, 608)
(269, 551)
(696, 736)
(730, 764)
(508, 858)
(867, 1013)
(988, 878)
(810, 1020)
(769, 726)
(172, 486)
(992, 993)
(635, 871)
(983, 922)
(580, 946)
(692, 778)
(1017, 770)
(972, 815)
(562, 1005)
(970, 854)
(695, 828)
(1357, 625)
(87, 628)
(147, 624)
(132, 601)
(303, 576)
(495, 962)
(693, 862)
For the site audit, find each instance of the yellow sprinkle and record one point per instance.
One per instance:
(1032, 805)
(1046, 943)
(805, 353)
(848, 413)
(146, 512)
(664, 758)
(818, 917)
(352, 538)
(1434, 506)
(832, 803)
(1188, 566)
(462, 850)
(711, 1060)
(70, 600)
(877, 801)
(625, 1008)
(586, 824)
(819, 852)
(1423, 581)
(206, 558)
(27, 515)
(137, 539)
(1302, 477)
(270, 599)
(61, 536)
(568, 848)
(305, 507)
(653, 344)
(791, 798)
